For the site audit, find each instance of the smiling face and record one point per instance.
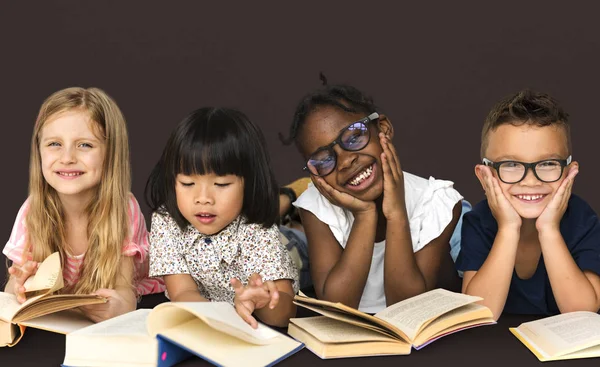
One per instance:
(72, 155)
(209, 202)
(528, 143)
(357, 173)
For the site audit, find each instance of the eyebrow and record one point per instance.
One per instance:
(94, 139)
(513, 158)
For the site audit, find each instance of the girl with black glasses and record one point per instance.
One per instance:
(376, 235)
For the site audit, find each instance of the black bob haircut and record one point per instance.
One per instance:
(222, 141)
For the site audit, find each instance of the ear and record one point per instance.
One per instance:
(574, 165)
(479, 172)
(385, 126)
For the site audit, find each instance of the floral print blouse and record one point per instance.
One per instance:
(238, 251)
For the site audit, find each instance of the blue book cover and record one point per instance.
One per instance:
(170, 353)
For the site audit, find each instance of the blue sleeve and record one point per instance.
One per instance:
(476, 243)
(586, 252)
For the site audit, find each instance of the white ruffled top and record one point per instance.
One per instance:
(429, 204)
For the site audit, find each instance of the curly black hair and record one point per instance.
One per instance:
(344, 97)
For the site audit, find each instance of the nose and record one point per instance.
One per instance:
(203, 195)
(530, 179)
(68, 155)
(345, 158)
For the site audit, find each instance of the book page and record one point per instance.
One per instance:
(47, 304)
(131, 323)
(355, 320)
(120, 341)
(413, 314)
(7, 333)
(10, 334)
(8, 306)
(562, 334)
(218, 315)
(342, 312)
(347, 350)
(48, 276)
(328, 330)
(63, 322)
(457, 319)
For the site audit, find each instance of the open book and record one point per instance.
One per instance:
(41, 301)
(174, 331)
(343, 331)
(567, 336)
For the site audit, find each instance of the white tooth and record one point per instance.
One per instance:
(362, 176)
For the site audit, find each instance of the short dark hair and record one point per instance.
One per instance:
(526, 107)
(222, 141)
(344, 97)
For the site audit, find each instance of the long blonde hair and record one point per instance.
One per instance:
(107, 212)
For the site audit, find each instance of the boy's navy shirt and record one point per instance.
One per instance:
(579, 227)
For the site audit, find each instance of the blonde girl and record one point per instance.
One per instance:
(80, 205)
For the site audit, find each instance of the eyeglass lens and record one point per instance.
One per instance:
(354, 137)
(513, 172)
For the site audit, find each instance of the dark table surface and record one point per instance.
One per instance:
(482, 347)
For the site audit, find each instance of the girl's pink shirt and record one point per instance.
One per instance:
(136, 245)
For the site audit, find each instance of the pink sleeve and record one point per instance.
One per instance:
(18, 237)
(137, 244)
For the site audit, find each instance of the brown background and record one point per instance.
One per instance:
(434, 67)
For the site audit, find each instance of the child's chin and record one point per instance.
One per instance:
(373, 192)
(369, 194)
(529, 213)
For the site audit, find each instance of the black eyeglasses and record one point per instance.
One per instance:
(511, 172)
(354, 137)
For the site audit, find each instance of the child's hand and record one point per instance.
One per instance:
(393, 181)
(501, 208)
(114, 306)
(553, 213)
(20, 274)
(254, 296)
(342, 199)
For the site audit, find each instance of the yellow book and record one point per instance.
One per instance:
(570, 335)
(42, 301)
(174, 331)
(344, 331)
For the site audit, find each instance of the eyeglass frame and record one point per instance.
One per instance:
(365, 120)
(496, 165)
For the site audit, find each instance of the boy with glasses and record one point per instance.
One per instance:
(532, 247)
